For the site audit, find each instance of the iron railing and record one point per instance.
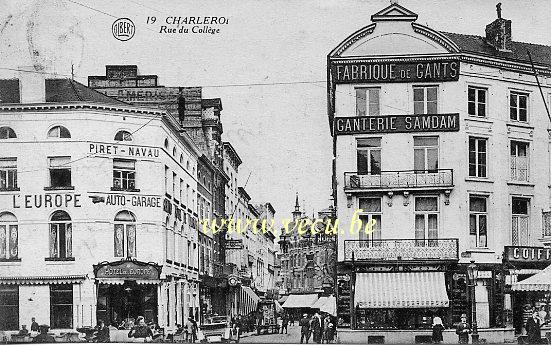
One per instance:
(402, 249)
(404, 179)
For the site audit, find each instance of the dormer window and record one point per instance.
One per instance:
(123, 136)
(59, 132)
(7, 133)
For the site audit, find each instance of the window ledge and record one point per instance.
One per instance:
(520, 183)
(11, 260)
(59, 259)
(60, 188)
(519, 124)
(479, 250)
(478, 179)
(176, 201)
(479, 119)
(16, 189)
(115, 189)
(168, 195)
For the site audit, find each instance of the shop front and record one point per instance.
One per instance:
(127, 289)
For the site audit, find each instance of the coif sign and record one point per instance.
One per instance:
(527, 254)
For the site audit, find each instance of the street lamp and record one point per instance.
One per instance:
(472, 274)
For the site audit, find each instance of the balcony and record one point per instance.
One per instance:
(399, 180)
(401, 250)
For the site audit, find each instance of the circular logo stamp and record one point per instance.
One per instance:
(123, 29)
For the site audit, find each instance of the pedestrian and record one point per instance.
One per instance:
(34, 325)
(284, 322)
(191, 329)
(315, 327)
(141, 330)
(437, 329)
(463, 330)
(533, 329)
(328, 329)
(43, 337)
(102, 335)
(304, 324)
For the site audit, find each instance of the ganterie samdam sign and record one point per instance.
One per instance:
(397, 124)
(398, 72)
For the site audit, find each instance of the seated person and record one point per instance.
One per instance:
(23, 330)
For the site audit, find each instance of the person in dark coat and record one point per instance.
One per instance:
(141, 330)
(34, 325)
(44, 337)
(284, 322)
(533, 329)
(463, 330)
(437, 329)
(315, 327)
(304, 328)
(102, 335)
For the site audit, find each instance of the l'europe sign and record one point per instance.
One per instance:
(128, 269)
(397, 124)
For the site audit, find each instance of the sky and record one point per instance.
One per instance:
(267, 64)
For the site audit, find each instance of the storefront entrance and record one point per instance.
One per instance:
(121, 303)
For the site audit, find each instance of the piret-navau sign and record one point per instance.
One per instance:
(397, 124)
(527, 254)
(128, 270)
(395, 72)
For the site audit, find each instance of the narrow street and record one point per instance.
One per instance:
(293, 336)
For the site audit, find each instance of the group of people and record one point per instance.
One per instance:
(320, 329)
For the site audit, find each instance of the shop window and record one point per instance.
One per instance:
(61, 306)
(9, 307)
(124, 174)
(125, 234)
(123, 136)
(60, 235)
(8, 174)
(477, 101)
(518, 106)
(371, 213)
(426, 221)
(425, 100)
(59, 132)
(478, 221)
(425, 154)
(519, 161)
(368, 155)
(7, 133)
(367, 102)
(520, 222)
(9, 237)
(60, 172)
(478, 157)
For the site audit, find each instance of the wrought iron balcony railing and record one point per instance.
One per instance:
(402, 250)
(405, 179)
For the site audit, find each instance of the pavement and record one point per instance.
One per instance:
(292, 337)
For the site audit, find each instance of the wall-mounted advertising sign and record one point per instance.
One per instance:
(397, 124)
(234, 244)
(527, 254)
(128, 269)
(395, 72)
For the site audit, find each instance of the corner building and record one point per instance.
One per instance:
(441, 140)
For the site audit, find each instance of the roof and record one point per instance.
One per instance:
(541, 54)
(68, 90)
(212, 103)
(231, 150)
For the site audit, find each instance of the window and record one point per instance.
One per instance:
(60, 172)
(61, 306)
(520, 222)
(174, 179)
(181, 190)
(7, 133)
(371, 212)
(519, 161)
(125, 234)
(59, 132)
(188, 260)
(477, 157)
(368, 154)
(166, 144)
(181, 159)
(477, 101)
(60, 235)
(8, 173)
(425, 154)
(9, 307)
(124, 174)
(8, 236)
(518, 106)
(174, 151)
(367, 102)
(478, 221)
(123, 136)
(166, 179)
(426, 221)
(425, 100)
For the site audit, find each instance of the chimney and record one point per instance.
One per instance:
(32, 85)
(498, 33)
(181, 109)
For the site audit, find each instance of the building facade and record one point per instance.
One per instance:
(441, 145)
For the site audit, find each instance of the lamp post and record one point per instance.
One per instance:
(472, 274)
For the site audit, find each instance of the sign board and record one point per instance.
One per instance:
(234, 244)
(132, 151)
(358, 71)
(397, 124)
(128, 269)
(527, 254)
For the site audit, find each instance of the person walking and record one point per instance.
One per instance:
(327, 329)
(533, 329)
(463, 330)
(284, 322)
(191, 328)
(437, 329)
(102, 335)
(315, 327)
(304, 324)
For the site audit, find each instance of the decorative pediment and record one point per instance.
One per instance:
(394, 12)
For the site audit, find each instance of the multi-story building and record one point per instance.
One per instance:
(264, 249)
(441, 143)
(95, 221)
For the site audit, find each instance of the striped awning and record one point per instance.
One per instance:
(326, 305)
(41, 280)
(401, 290)
(320, 302)
(540, 281)
(300, 301)
(247, 300)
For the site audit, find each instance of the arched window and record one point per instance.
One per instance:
(166, 144)
(187, 165)
(181, 159)
(123, 136)
(61, 238)
(8, 236)
(125, 234)
(174, 151)
(7, 133)
(59, 132)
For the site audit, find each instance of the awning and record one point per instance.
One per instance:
(247, 300)
(38, 280)
(326, 305)
(300, 301)
(540, 281)
(401, 290)
(321, 301)
(278, 307)
(282, 299)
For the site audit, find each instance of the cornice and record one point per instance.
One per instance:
(436, 36)
(76, 106)
(350, 40)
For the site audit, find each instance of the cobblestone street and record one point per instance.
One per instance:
(292, 337)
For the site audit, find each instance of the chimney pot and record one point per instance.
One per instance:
(498, 33)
